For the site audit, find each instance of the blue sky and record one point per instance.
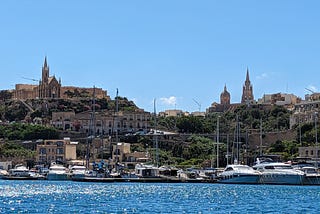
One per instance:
(176, 52)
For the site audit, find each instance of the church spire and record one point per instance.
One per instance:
(247, 92)
(247, 77)
(45, 62)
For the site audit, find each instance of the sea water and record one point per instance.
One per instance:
(76, 197)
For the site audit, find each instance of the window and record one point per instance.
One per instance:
(60, 151)
(60, 143)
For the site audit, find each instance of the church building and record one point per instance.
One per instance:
(247, 91)
(49, 87)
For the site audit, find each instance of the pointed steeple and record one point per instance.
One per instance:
(45, 62)
(225, 87)
(247, 77)
(247, 92)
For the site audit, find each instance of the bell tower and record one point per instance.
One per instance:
(247, 91)
(45, 71)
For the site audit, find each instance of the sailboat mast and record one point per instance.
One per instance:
(91, 131)
(218, 142)
(155, 133)
(260, 137)
(117, 109)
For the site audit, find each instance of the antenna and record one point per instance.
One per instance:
(30, 79)
(199, 105)
(310, 90)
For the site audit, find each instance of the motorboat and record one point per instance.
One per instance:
(78, 171)
(146, 171)
(3, 173)
(19, 171)
(279, 173)
(239, 174)
(311, 175)
(57, 172)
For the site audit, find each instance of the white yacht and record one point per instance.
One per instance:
(57, 172)
(312, 176)
(78, 171)
(19, 171)
(3, 173)
(239, 174)
(146, 171)
(279, 173)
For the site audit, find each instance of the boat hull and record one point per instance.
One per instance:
(57, 177)
(283, 179)
(311, 180)
(239, 179)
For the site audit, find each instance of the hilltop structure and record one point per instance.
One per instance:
(49, 88)
(225, 97)
(247, 91)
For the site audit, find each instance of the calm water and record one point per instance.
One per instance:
(73, 197)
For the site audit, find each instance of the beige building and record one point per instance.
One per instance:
(309, 152)
(171, 113)
(107, 122)
(280, 99)
(49, 87)
(122, 154)
(49, 151)
(305, 112)
(62, 120)
(68, 92)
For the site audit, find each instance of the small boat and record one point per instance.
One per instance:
(311, 175)
(57, 172)
(3, 173)
(279, 173)
(239, 174)
(78, 171)
(20, 172)
(146, 171)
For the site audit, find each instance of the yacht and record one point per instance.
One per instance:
(279, 173)
(78, 171)
(19, 171)
(239, 174)
(146, 171)
(57, 172)
(312, 176)
(3, 173)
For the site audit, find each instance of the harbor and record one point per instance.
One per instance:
(127, 197)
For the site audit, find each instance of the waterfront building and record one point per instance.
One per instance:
(247, 91)
(6, 165)
(312, 152)
(56, 151)
(122, 154)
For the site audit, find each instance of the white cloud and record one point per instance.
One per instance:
(263, 76)
(170, 101)
(312, 88)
